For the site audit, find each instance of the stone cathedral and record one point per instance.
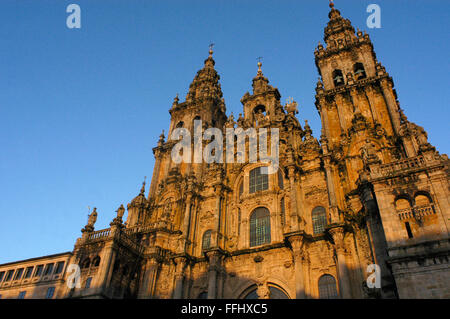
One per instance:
(361, 213)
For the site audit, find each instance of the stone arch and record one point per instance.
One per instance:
(422, 198)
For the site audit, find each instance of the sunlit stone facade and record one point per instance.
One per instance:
(372, 190)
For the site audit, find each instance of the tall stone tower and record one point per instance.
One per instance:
(381, 166)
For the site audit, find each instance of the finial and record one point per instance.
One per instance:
(143, 185)
(331, 4)
(211, 45)
(259, 64)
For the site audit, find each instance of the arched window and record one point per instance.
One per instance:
(359, 71)
(86, 263)
(259, 179)
(241, 189)
(260, 227)
(180, 124)
(280, 179)
(422, 200)
(402, 204)
(327, 287)
(275, 293)
(206, 240)
(319, 220)
(96, 261)
(338, 78)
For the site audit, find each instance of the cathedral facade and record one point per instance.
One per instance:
(361, 213)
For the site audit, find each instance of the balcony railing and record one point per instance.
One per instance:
(403, 166)
(99, 234)
(416, 212)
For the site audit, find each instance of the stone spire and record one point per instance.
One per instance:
(260, 82)
(206, 82)
(338, 29)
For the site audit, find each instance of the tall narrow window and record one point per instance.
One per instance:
(259, 179)
(22, 294)
(360, 73)
(408, 230)
(38, 270)
(59, 267)
(338, 78)
(327, 287)
(18, 274)
(280, 179)
(96, 261)
(48, 270)
(283, 212)
(9, 275)
(206, 241)
(2, 274)
(50, 292)
(241, 189)
(28, 272)
(88, 282)
(260, 227)
(319, 220)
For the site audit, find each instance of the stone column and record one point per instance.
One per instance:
(156, 172)
(331, 191)
(146, 290)
(386, 87)
(338, 237)
(179, 277)
(293, 194)
(297, 243)
(216, 231)
(214, 264)
(186, 220)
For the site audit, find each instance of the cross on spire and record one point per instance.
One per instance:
(211, 45)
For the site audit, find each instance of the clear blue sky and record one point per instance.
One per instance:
(81, 109)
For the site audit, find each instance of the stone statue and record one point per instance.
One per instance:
(92, 218)
(263, 291)
(240, 120)
(368, 152)
(120, 211)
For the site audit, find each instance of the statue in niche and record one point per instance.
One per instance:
(368, 152)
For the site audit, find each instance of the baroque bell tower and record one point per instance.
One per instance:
(382, 170)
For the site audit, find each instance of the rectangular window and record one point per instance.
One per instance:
(38, 271)
(50, 292)
(259, 179)
(408, 230)
(88, 282)
(28, 272)
(22, 294)
(59, 267)
(2, 274)
(259, 231)
(48, 270)
(9, 275)
(18, 274)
